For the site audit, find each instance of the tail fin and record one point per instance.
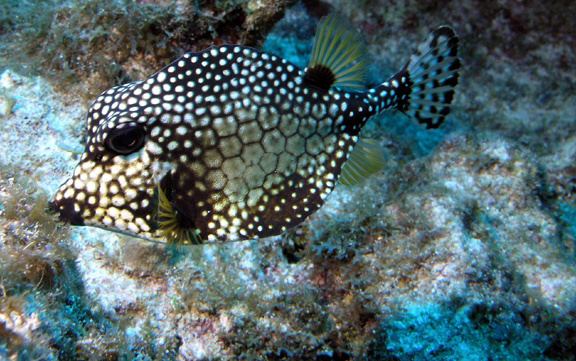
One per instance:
(433, 71)
(424, 89)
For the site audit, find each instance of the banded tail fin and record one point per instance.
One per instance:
(433, 72)
(424, 88)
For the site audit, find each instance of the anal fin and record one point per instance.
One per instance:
(366, 159)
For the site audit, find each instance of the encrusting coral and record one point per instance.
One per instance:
(88, 45)
(463, 247)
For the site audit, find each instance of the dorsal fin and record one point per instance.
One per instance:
(366, 159)
(338, 56)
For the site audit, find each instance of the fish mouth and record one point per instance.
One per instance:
(66, 211)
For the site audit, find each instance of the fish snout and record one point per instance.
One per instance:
(66, 211)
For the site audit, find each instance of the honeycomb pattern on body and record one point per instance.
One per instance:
(250, 149)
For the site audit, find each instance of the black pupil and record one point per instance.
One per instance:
(127, 140)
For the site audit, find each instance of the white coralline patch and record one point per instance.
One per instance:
(109, 289)
(39, 131)
(480, 216)
(20, 323)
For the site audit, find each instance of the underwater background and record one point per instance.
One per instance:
(462, 248)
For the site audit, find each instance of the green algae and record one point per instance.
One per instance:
(106, 34)
(87, 46)
(26, 210)
(36, 271)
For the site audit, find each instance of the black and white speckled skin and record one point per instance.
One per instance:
(242, 145)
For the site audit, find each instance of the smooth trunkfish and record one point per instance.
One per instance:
(233, 143)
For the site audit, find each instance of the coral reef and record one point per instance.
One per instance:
(92, 45)
(462, 248)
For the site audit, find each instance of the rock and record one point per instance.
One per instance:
(462, 230)
(462, 248)
(115, 42)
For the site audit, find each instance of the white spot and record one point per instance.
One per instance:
(215, 109)
(154, 148)
(181, 130)
(91, 187)
(118, 201)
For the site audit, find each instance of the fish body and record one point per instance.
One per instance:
(235, 143)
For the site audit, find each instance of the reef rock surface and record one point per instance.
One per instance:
(463, 248)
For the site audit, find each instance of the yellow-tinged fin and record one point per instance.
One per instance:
(338, 56)
(366, 159)
(170, 225)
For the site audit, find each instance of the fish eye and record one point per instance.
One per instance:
(126, 140)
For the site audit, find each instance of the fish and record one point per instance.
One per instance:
(233, 143)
